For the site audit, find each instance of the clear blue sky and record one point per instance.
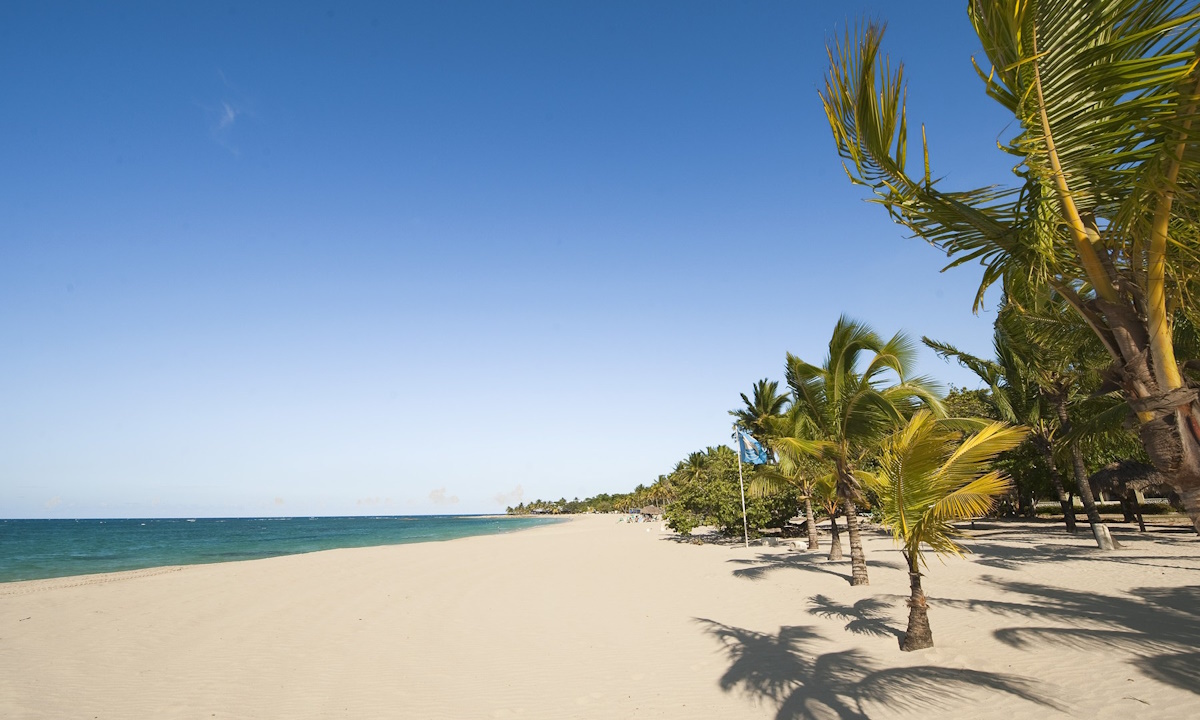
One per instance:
(434, 256)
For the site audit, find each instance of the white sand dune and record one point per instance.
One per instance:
(594, 619)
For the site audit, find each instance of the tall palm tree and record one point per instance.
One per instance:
(758, 414)
(1044, 372)
(846, 409)
(1061, 359)
(1017, 400)
(693, 468)
(930, 477)
(1104, 211)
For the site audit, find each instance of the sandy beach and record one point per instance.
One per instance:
(595, 619)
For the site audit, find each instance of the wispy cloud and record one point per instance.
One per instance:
(438, 497)
(508, 498)
(228, 116)
(53, 502)
(224, 116)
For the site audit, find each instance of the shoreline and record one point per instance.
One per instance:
(50, 549)
(597, 619)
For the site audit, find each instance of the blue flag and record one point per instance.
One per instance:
(749, 448)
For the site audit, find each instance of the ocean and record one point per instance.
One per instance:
(38, 549)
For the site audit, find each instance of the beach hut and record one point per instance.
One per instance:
(652, 510)
(1128, 481)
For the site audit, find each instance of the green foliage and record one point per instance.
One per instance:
(713, 497)
(930, 476)
(961, 402)
(658, 493)
(759, 415)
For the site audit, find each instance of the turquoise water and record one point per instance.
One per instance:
(36, 549)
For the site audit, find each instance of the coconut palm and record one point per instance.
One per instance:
(1017, 400)
(759, 413)
(1042, 367)
(794, 469)
(845, 410)
(1061, 359)
(929, 477)
(1106, 99)
(693, 468)
(825, 494)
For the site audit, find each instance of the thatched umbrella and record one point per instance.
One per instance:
(1125, 479)
(652, 510)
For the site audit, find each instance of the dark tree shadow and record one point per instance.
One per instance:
(1182, 670)
(846, 684)
(865, 617)
(760, 567)
(1010, 557)
(1158, 627)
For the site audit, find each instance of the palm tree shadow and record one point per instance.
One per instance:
(1009, 557)
(765, 563)
(865, 617)
(1159, 628)
(1182, 670)
(847, 683)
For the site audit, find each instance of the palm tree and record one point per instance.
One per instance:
(693, 468)
(1017, 400)
(1045, 365)
(1104, 212)
(795, 469)
(1060, 358)
(825, 492)
(930, 477)
(846, 411)
(760, 412)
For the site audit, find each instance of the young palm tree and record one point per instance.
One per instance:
(1103, 214)
(929, 477)
(845, 410)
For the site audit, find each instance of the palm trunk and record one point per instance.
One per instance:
(1104, 539)
(812, 524)
(1068, 508)
(835, 538)
(918, 636)
(858, 559)
(1168, 411)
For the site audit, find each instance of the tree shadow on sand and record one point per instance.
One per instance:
(844, 684)
(1011, 557)
(866, 617)
(766, 563)
(1159, 628)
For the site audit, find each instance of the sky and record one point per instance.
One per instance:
(436, 257)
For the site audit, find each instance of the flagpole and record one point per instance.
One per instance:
(742, 483)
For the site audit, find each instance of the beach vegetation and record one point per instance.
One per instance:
(931, 473)
(846, 405)
(713, 496)
(795, 470)
(761, 413)
(1101, 215)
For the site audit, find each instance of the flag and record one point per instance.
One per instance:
(749, 449)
